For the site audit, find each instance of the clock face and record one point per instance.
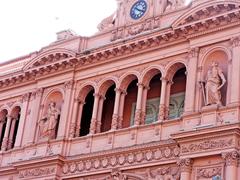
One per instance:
(138, 9)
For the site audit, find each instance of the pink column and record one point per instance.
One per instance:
(35, 106)
(6, 134)
(64, 123)
(22, 120)
(190, 96)
(144, 103)
(231, 162)
(11, 134)
(235, 87)
(185, 168)
(99, 115)
(116, 109)
(168, 95)
(2, 121)
(94, 114)
(73, 128)
(138, 105)
(79, 118)
(121, 109)
(162, 105)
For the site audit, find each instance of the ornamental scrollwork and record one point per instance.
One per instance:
(209, 172)
(31, 173)
(206, 145)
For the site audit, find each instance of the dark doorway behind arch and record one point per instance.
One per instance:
(87, 114)
(108, 107)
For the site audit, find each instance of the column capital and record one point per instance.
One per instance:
(235, 41)
(185, 164)
(140, 85)
(25, 97)
(231, 158)
(193, 52)
(68, 84)
(2, 120)
(118, 90)
(164, 79)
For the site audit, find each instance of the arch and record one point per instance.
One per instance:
(173, 67)
(84, 92)
(15, 105)
(194, 10)
(225, 49)
(127, 78)
(5, 107)
(105, 84)
(3, 112)
(60, 90)
(46, 54)
(149, 73)
(15, 111)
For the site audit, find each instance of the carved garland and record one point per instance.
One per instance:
(115, 160)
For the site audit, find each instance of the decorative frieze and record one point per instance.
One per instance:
(209, 172)
(206, 145)
(121, 159)
(38, 172)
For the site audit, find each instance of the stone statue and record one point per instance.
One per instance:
(215, 80)
(48, 124)
(169, 5)
(106, 23)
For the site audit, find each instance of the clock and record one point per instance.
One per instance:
(138, 9)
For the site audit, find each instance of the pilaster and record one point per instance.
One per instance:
(185, 168)
(231, 163)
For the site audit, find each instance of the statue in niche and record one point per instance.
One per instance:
(48, 124)
(215, 80)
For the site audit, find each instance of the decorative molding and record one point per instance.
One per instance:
(235, 41)
(185, 164)
(25, 97)
(209, 172)
(68, 84)
(231, 158)
(38, 172)
(127, 158)
(206, 145)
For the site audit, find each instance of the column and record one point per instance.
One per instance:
(22, 120)
(116, 109)
(11, 134)
(235, 82)
(168, 95)
(162, 105)
(63, 124)
(35, 99)
(121, 109)
(2, 121)
(144, 104)
(94, 114)
(6, 134)
(185, 168)
(79, 118)
(191, 83)
(99, 115)
(231, 162)
(137, 118)
(73, 128)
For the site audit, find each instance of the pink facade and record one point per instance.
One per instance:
(154, 95)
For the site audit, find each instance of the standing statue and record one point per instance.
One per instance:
(215, 80)
(48, 124)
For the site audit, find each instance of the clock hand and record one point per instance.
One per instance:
(139, 9)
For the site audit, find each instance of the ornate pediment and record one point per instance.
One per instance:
(209, 12)
(50, 57)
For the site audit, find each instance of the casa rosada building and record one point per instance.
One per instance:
(154, 95)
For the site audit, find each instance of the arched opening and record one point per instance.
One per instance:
(49, 122)
(87, 114)
(153, 99)
(177, 94)
(108, 107)
(129, 107)
(15, 114)
(3, 123)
